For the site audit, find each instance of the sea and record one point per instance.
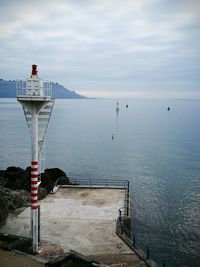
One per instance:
(156, 149)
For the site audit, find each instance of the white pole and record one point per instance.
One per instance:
(33, 100)
(34, 178)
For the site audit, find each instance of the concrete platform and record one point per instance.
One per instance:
(80, 219)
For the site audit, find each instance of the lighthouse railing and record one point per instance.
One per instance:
(22, 90)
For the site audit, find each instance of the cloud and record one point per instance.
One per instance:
(109, 44)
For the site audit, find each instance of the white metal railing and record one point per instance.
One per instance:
(22, 90)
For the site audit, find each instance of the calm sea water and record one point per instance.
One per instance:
(156, 149)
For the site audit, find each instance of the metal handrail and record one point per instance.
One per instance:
(136, 243)
(20, 92)
(100, 182)
(21, 89)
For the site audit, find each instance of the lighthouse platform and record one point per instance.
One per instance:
(83, 220)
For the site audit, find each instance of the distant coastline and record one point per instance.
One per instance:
(8, 90)
(187, 99)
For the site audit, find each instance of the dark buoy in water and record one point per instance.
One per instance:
(117, 107)
(113, 136)
(126, 105)
(168, 108)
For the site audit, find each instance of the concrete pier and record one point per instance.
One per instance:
(81, 219)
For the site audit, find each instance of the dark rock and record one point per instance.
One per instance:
(55, 173)
(11, 200)
(3, 210)
(15, 187)
(3, 178)
(50, 176)
(15, 198)
(42, 192)
(18, 178)
(63, 181)
(14, 169)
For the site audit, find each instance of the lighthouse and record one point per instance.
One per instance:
(35, 96)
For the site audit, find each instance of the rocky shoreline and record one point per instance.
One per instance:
(15, 187)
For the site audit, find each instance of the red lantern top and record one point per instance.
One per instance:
(34, 69)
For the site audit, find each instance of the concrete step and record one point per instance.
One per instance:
(119, 260)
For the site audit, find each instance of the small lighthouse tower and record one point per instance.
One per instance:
(35, 96)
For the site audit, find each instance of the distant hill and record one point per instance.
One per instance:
(8, 90)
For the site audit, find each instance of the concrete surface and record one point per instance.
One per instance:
(13, 259)
(81, 219)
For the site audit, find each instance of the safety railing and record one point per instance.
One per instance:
(136, 244)
(22, 90)
(100, 183)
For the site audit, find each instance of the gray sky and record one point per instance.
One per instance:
(105, 48)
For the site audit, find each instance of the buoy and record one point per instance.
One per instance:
(117, 107)
(168, 108)
(126, 105)
(113, 136)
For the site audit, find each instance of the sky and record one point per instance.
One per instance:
(105, 48)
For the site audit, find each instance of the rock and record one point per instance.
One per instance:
(63, 181)
(42, 192)
(3, 178)
(11, 200)
(50, 177)
(14, 169)
(15, 187)
(18, 178)
(15, 198)
(3, 210)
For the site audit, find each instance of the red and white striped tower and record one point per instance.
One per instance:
(34, 184)
(35, 97)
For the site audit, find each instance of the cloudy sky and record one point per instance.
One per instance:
(105, 48)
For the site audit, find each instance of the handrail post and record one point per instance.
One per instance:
(134, 240)
(127, 199)
(121, 229)
(120, 222)
(120, 215)
(147, 253)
